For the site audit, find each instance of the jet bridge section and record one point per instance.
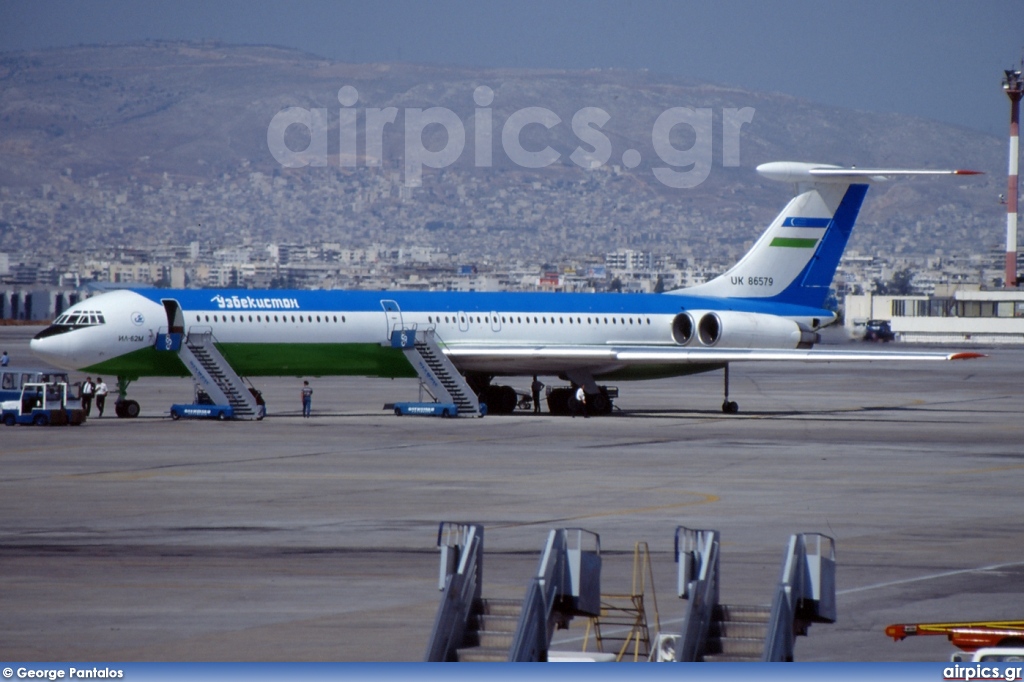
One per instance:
(471, 628)
(209, 369)
(713, 631)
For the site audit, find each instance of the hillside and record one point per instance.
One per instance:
(168, 142)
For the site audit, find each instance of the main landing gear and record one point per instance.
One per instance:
(728, 407)
(598, 404)
(504, 399)
(499, 399)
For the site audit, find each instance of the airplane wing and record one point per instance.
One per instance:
(662, 355)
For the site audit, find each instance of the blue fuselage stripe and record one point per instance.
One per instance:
(296, 301)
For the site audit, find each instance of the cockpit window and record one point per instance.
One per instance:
(71, 321)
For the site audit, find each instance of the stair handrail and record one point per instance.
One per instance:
(555, 593)
(697, 555)
(461, 578)
(200, 330)
(805, 594)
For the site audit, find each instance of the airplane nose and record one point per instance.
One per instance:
(51, 349)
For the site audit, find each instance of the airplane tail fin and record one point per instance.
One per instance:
(796, 258)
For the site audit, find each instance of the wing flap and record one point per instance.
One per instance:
(640, 355)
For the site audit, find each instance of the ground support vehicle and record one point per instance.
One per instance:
(197, 411)
(42, 404)
(966, 635)
(427, 409)
(204, 408)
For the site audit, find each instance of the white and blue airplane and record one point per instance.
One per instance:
(767, 307)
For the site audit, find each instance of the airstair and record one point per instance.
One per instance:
(215, 376)
(713, 631)
(438, 376)
(210, 371)
(471, 628)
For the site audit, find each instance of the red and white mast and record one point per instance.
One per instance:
(1013, 84)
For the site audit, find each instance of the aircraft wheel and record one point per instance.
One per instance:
(558, 401)
(600, 404)
(130, 409)
(499, 399)
(730, 407)
(509, 399)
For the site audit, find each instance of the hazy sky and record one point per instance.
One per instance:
(941, 59)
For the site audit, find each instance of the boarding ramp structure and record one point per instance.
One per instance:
(438, 376)
(622, 630)
(713, 631)
(210, 371)
(471, 628)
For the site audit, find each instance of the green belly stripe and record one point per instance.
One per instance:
(794, 243)
(271, 359)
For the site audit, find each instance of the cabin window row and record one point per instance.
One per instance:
(266, 318)
(542, 319)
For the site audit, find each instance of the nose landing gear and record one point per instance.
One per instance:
(124, 408)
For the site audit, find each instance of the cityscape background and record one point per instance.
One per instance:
(147, 161)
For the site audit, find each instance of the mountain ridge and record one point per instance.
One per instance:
(119, 119)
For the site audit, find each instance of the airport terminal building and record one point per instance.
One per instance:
(951, 315)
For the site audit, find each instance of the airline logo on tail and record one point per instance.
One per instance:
(805, 234)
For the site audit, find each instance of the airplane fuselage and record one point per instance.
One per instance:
(265, 333)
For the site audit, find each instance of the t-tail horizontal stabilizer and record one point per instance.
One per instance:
(795, 260)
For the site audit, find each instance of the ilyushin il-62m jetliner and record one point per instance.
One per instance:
(767, 307)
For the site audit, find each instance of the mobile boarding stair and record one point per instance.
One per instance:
(438, 376)
(210, 371)
(719, 632)
(471, 628)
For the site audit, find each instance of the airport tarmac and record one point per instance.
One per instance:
(315, 539)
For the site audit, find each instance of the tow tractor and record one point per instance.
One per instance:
(968, 636)
(42, 404)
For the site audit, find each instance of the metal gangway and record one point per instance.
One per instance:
(210, 371)
(471, 628)
(438, 376)
(713, 631)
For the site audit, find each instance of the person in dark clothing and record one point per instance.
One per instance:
(536, 387)
(88, 389)
(307, 398)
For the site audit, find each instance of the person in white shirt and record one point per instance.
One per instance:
(101, 395)
(579, 403)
